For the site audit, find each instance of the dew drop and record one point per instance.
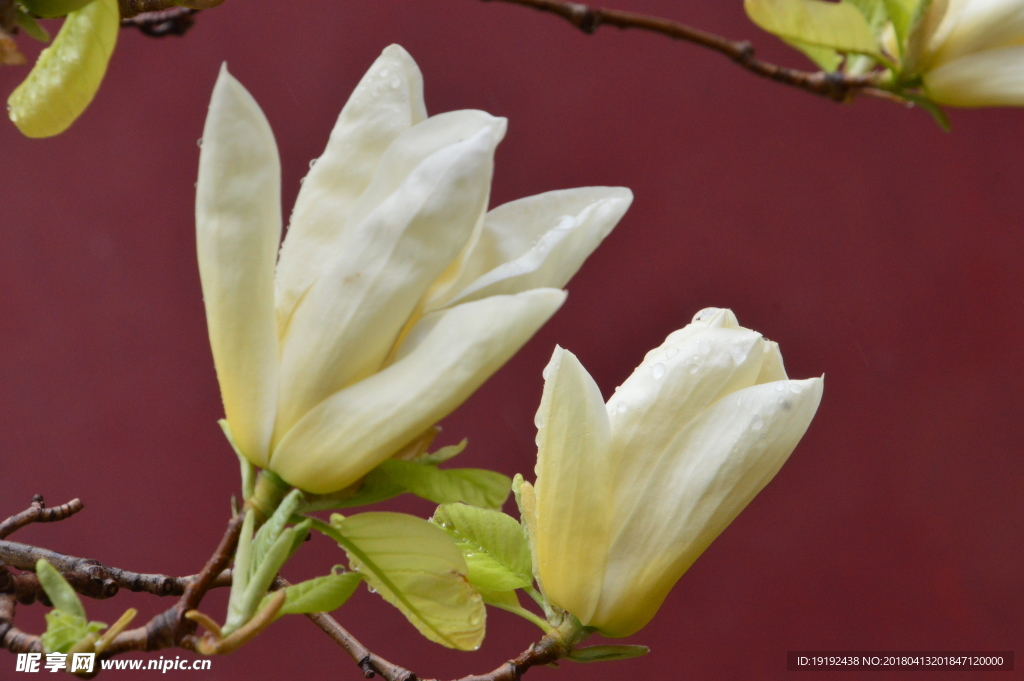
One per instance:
(395, 82)
(757, 423)
(658, 370)
(621, 407)
(384, 73)
(371, 589)
(538, 421)
(694, 368)
(312, 162)
(672, 352)
(795, 388)
(302, 180)
(779, 387)
(199, 142)
(704, 346)
(737, 353)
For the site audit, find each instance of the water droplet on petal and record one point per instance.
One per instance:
(658, 370)
(621, 407)
(757, 423)
(672, 352)
(312, 162)
(199, 142)
(694, 368)
(738, 354)
(395, 82)
(779, 387)
(704, 346)
(384, 73)
(795, 388)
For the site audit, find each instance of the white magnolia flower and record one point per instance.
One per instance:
(628, 495)
(396, 294)
(970, 52)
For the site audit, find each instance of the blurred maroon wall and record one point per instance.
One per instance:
(875, 248)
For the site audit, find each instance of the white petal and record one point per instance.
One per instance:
(574, 484)
(355, 429)
(676, 382)
(348, 321)
(990, 78)
(387, 102)
(772, 368)
(539, 241)
(238, 229)
(710, 474)
(974, 26)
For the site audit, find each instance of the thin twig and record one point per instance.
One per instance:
(835, 86)
(38, 513)
(546, 651)
(173, 21)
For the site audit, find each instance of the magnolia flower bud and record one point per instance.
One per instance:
(628, 495)
(396, 293)
(970, 52)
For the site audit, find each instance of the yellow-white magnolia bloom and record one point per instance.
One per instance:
(396, 293)
(970, 52)
(629, 494)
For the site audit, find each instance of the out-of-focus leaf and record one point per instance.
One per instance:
(443, 454)
(839, 26)
(53, 8)
(321, 594)
(64, 630)
(607, 653)
(493, 544)
(32, 27)
(61, 595)
(826, 58)
(508, 600)
(474, 486)
(417, 568)
(68, 72)
(902, 14)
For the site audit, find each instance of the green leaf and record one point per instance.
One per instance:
(68, 72)
(607, 653)
(493, 544)
(61, 595)
(267, 535)
(506, 600)
(377, 486)
(322, 594)
(874, 12)
(417, 568)
(473, 486)
(53, 8)
(248, 469)
(443, 454)
(839, 26)
(64, 630)
(937, 112)
(826, 58)
(32, 27)
(902, 13)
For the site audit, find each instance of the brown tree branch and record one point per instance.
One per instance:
(835, 86)
(173, 21)
(546, 651)
(38, 513)
(12, 638)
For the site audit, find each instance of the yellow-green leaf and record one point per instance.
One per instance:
(53, 8)
(417, 568)
(31, 26)
(321, 594)
(826, 58)
(61, 595)
(607, 653)
(839, 26)
(493, 544)
(68, 73)
(474, 486)
(64, 630)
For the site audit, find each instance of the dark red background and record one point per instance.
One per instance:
(875, 248)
